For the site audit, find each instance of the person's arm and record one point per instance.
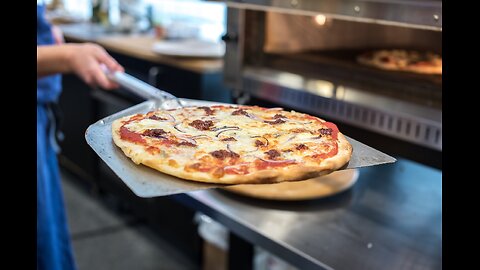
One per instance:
(82, 59)
(52, 59)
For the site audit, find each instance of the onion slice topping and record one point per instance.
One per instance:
(226, 129)
(179, 130)
(187, 139)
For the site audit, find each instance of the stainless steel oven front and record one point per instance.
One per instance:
(302, 55)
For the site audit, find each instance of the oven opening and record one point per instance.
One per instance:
(328, 51)
(309, 63)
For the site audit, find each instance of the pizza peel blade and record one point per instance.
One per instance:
(146, 182)
(364, 156)
(142, 180)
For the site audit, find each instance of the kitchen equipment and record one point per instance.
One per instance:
(145, 90)
(147, 182)
(190, 48)
(302, 55)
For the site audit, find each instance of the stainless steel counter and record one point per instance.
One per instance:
(390, 219)
(138, 46)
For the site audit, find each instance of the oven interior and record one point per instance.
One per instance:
(308, 63)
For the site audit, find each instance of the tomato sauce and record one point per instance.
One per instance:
(243, 169)
(127, 135)
(334, 129)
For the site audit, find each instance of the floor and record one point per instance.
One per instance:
(104, 239)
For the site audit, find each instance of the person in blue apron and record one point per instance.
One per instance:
(54, 251)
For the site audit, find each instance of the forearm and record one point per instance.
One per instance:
(52, 59)
(86, 60)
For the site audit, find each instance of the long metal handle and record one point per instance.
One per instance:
(141, 88)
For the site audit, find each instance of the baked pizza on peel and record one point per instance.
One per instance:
(233, 144)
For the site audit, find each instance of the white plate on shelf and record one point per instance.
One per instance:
(189, 48)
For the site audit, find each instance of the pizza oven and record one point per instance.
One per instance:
(301, 55)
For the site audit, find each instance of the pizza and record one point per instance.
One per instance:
(233, 144)
(403, 60)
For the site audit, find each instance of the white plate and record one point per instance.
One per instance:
(189, 48)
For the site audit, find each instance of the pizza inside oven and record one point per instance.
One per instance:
(403, 60)
(233, 144)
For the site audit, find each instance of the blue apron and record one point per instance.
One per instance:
(54, 250)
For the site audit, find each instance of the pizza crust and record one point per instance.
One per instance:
(295, 172)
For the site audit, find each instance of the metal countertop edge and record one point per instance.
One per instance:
(280, 249)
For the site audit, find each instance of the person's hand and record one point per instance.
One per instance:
(86, 59)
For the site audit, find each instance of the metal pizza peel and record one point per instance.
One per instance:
(147, 182)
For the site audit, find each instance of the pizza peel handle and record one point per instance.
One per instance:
(164, 99)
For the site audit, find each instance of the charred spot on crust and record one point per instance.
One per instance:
(272, 154)
(301, 147)
(240, 112)
(277, 121)
(156, 133)
(202, 125)
(384, 59)
(208, 110)
(278, 116)
(222, 154)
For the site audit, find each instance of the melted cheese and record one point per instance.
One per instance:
(252, 128)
